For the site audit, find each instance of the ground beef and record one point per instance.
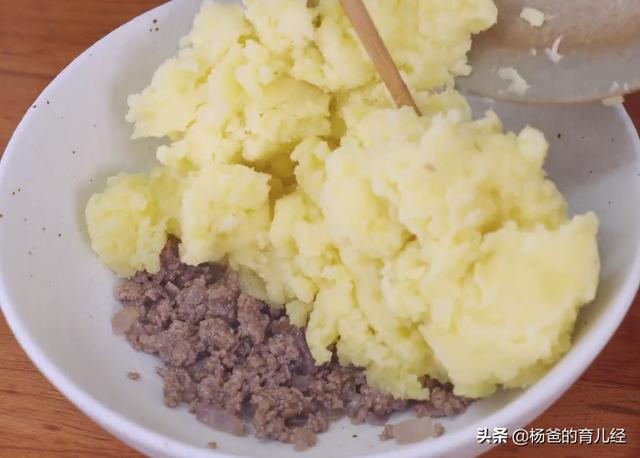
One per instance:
(387, 432)
(442, 403)
(133, 376)
(224, 351)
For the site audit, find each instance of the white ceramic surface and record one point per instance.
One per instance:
(58, 298)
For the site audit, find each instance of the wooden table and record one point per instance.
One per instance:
(37, 39)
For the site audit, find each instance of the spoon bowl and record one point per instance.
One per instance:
(598, 51)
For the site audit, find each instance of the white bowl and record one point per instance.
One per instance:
(58, 299)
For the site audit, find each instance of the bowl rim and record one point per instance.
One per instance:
(544, 392)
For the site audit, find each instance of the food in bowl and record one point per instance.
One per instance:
(239, 363)
(412, 247)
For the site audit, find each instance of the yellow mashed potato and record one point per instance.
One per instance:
(430, 245)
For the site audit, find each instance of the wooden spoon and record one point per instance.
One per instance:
(372, 42)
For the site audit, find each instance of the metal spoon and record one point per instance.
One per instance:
(599, 44)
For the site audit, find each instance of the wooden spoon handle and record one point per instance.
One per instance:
(371, 40)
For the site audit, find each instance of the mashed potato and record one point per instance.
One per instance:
(416, 245)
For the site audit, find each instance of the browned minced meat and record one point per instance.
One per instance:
(387, 432)
(442, 402)
(133, 376)
(224, 350)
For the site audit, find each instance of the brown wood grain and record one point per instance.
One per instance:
(37, 39)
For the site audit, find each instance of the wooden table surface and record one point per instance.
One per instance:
(38, 38)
